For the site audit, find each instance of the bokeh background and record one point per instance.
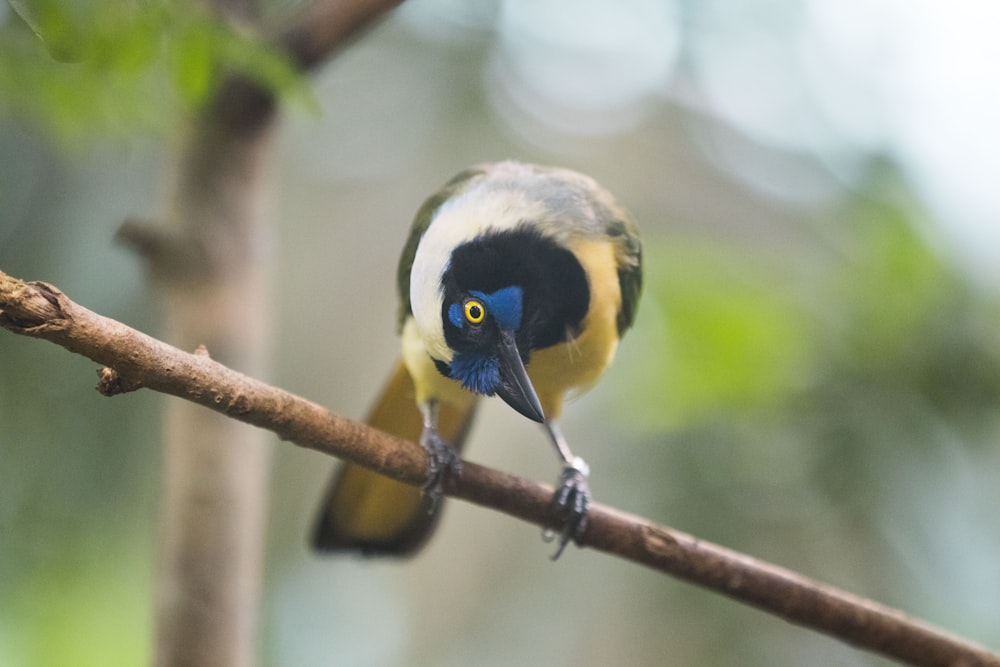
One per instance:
(814, 377)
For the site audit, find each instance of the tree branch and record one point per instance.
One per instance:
(42, 311)
(308, 39)
(326, 26)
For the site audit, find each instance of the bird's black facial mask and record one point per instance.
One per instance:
(505, 295)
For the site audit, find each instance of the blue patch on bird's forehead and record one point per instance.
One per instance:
(505, 305)
(455, 315)
(477, 373)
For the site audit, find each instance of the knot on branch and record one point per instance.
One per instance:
(111, 383)
(27, 306)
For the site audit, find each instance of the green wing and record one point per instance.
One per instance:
(629, 268)
(613, 221)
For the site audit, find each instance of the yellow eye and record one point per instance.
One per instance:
(474, 311)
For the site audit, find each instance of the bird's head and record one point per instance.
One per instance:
(505, 294)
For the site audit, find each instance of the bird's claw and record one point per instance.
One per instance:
(570, 503)
(442, 460)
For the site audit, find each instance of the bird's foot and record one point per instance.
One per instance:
(570, 503)
(442, 460)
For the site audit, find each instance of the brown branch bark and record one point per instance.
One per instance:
(42, 311)
(326, 26)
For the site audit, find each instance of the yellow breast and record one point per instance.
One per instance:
(574, 366)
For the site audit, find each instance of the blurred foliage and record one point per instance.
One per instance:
(856, 352)
(750, 329)
(94, 621)
(111, 67)
(733, 339)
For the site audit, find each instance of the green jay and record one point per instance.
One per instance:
(516, 281)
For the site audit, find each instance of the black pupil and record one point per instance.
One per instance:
(475, 312)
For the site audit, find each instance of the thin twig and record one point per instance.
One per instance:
(326, 26)
(42, 311)
(312, 36)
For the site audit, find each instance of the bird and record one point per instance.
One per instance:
(517, 280)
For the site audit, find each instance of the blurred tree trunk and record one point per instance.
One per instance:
(216, 472)
(211, 265)
(213, 273)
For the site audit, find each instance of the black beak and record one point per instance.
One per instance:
(515, 386)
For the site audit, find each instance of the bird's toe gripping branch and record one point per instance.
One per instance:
(442, 460)
(570, 503)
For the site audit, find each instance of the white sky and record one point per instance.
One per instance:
(930, 72)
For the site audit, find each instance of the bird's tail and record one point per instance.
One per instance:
(366, 512)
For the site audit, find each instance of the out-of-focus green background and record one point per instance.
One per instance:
(814, 377)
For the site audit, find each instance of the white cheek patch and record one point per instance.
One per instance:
(458, 221)
(426, 301)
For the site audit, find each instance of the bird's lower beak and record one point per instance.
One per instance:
(515, 385)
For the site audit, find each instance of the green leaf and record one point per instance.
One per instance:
(194, 56)
(139, 66)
